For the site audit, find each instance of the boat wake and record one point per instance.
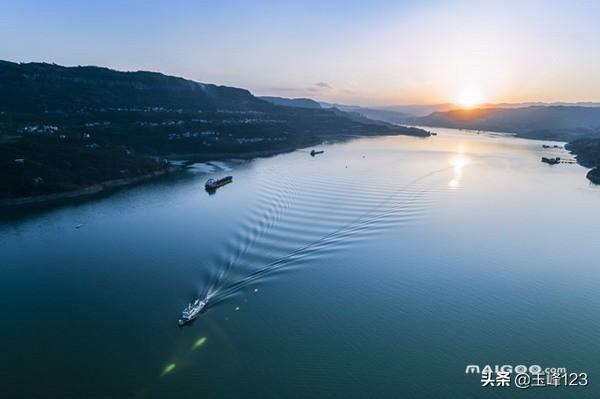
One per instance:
(301, 220)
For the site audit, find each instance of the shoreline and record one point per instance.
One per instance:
(593, 174)
(46, 199)
(218, 156)
(109, 185)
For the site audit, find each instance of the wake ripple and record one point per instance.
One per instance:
(300, 219)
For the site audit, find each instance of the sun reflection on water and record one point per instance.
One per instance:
(458, 162)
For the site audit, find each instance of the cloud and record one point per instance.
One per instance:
(323, 85)
(319, 87)
(314, 89)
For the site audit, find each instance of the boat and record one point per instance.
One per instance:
(191, 312)
(551, 161)
(313, 153)
(212, 184)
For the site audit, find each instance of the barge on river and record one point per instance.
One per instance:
(212, 184)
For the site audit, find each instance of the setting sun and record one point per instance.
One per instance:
(469, 97)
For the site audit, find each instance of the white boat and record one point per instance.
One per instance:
(191, 311)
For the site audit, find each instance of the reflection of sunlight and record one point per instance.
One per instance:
(458, 162)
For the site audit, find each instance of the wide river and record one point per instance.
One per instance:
(379, 269)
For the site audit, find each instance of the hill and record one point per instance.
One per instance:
(292, 102)
(587, 151)
(563, 123)
(353, 112)
(48, 87)
(95, 116)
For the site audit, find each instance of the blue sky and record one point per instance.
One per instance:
(376, 52)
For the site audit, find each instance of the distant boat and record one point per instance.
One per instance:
(212, 184)
(551, 161)
(313, 153)
(191, 311)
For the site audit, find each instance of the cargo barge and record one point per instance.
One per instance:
(212, 184)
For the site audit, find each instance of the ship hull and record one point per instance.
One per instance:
(218, 183)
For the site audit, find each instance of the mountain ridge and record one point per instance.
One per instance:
(63, 129)
(554, 122)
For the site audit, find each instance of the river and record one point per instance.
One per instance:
(379, 269)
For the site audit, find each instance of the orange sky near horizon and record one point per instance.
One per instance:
(378, 53)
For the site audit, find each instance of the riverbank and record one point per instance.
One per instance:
(587, 153)
(109, 185)
(219, 156)
(113, 184)
(586, 150)
(223, 155)
(98, 188)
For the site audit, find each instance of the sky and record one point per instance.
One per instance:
(374, 52)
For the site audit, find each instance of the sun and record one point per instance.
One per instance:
(469, 97)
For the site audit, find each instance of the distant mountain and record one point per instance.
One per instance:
(353, 112)
(64, 129)
(383, 115)
(156, 113)
(563, 123)
(406, 113)
(587, 151)
(292, 102)
(418, 109)
(426, 109)
(39, 87)
(541, 104)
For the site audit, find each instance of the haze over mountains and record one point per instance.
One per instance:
(552, 121)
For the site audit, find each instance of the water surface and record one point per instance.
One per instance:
(378, 269)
